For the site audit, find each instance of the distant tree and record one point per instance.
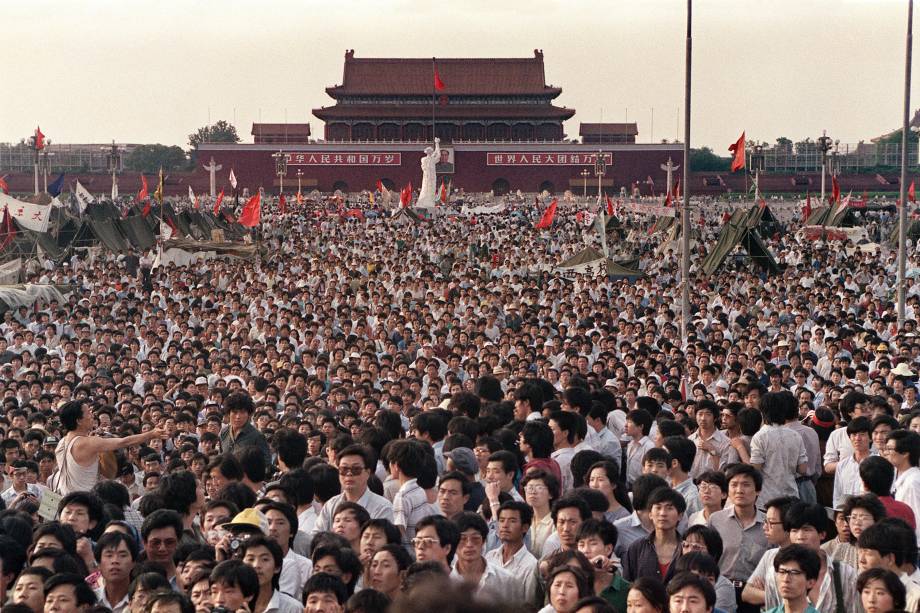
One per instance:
(784, 143)
(220, 132)
(895, 137)
(149, 158)
(702, 160)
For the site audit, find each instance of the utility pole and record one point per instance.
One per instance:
(902, 211)
(685, 213)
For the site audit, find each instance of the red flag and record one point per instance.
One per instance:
(172, 226)
(142, 195)
(667, 199)
(3, 186)
(282, 203)
(762, 204)
(738, 149)
(438, 83)
(911, 194)
(677, 189)
(252, 212)
(220, 198)
(609, 206)
(146, 210)
(39, 139)
(405, 196)
(835, 190)
(547, 220)
(806, 212)
(443, 193)
(379, 186)
(7, 230)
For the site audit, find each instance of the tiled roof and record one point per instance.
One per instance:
(461, 111)
(414, 76)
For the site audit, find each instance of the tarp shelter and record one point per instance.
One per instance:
(832, 216)
(15, 296)
(741, 230)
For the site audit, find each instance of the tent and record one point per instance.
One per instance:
(741, 230)
(14, 296)
(405, 216)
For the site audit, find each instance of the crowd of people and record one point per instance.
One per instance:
(375, 417)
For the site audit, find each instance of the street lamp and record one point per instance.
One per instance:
(46, 163)
(299, 175)
(113, 165)
(824, 145)
(585, 173)
(757, 165)
(281, 163)
(600, 169)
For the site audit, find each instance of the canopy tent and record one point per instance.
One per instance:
(741, 230)
(14, 296)
(405, 216)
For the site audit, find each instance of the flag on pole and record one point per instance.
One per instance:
(444, 192)
(677, 190)
(609, 206)
(252, 212)
(220, 198)
(438, 83)
(3, 185)
(282, 204)
(83, 197)
(738, 149)
(911, 194)
(405, 196)
(835, 190)
(146, 209)
(806, 212)
(549, 215)
(158, 194)
(39, 139)
(232, 179)
(142, 194)
(57, 186)
(299, 198)
(191, 196)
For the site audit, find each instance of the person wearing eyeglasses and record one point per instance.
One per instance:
(354, 465)
(797, 568)
(436, 540)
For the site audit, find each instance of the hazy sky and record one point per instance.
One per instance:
(151, 71)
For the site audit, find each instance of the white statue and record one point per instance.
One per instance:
(427, 193)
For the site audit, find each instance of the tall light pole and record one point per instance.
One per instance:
(685, 213)
(299, 175)
(46, 163)
(600, 169)
(113, 164)
(281, 160)
(585, 173)
(757, 164)
(905, 132)
(35, 152)
(824, 145)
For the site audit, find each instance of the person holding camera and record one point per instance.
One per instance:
(246, 524)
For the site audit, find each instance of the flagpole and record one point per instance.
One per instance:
(905, 131)
(685, 212)
(434, 95)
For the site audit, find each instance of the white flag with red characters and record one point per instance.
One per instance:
(31, 216)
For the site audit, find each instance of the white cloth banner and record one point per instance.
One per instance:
(9, 272)
(84, 198)
(483, 210)
(595, 268)
(645, 209)
(32, 216)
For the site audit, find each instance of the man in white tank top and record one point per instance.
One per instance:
(78, 452)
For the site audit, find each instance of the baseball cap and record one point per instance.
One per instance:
(201, 381)
(465, 460)
(249, 518)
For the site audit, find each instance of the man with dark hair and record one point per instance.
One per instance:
(436, 540)
(638, 524)
(596, 539)
(491, 581)
(690, 592)
(712, 446)
(161, 532)
(233, 585)
(846, 477)
(240, 432)
(355, 469)
(410, 503)
(536, 443)
(568, 513)
(501, 469)
(887, 545)
(644, 557)
(68, 592)
(741, 526)
(564, 425)
(282, 528)
(324, 593)
(116, 553)
(182, 493)
(797, 569)
(903, 449)
(877, 476)
(682, 452)
(292, 449)
(453, 493)
(638, 426)
(776, 451)
(514, 519)
(807, 524)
